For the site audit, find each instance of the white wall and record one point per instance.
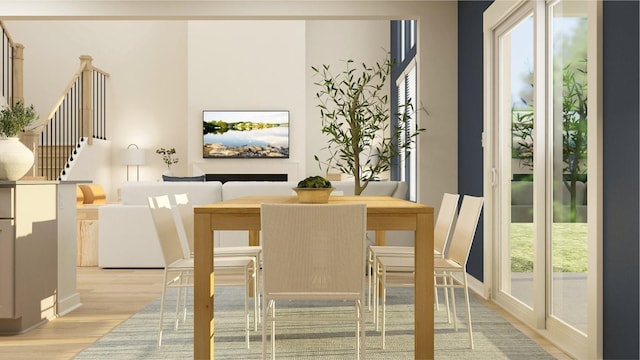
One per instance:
(247, 65)
(146, 61)
(153, 83)
(332, 42)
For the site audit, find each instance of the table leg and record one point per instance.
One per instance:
(424, 287)
(203, 288)
(254, 237)
(381, 238)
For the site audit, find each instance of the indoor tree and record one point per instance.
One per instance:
(355, 114)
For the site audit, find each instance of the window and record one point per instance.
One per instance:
(405, 82)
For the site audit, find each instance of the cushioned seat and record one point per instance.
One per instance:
(93, 194)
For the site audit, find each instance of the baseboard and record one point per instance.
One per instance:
(477, 287)
(68, 304)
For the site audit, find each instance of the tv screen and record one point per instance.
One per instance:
(245, 134)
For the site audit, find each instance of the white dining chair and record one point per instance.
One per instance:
(399, 271)
(313, 251)
(442, 230)
(185, 210)
(178, 268)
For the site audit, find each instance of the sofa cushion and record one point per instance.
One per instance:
(375, 188)
(236, 189)
(200, 193)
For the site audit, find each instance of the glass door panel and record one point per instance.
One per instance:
(544, 259)
(516, 164)
(568, 107)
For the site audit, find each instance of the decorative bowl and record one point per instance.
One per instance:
(313, 195)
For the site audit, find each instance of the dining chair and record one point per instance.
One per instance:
(178, 268)
(442, 230)
(453, 262)
(313, 252)
(185, 210)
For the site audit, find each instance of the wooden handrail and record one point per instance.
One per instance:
(6, 33)
(71, 121)
(84, 63)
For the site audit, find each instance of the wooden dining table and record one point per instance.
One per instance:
(383, 213)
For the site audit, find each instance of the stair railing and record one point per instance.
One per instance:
(11, 73)
(79, 115)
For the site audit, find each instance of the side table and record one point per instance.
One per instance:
(87, 235)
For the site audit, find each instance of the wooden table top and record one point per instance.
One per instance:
(251, 204)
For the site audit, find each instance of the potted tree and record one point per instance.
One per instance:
(15, 158)
(355, 114)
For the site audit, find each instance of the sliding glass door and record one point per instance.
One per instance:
(541, 152)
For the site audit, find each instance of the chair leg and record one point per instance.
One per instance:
(363, 336)
(376, 292)
(361, 332)
(164, 293)
(384, 308)
(357, 334)
(265, 311)
(370, 271)
(273, 330)
(246, 306)
(186, 297)
(451, 286)
(446, 301)
(466, 296)
(443, 278)
(256, 295)
(435, 293)
(178, 298)
(184, 281)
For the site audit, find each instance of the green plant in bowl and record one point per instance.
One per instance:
(314, 182)
(314, 190)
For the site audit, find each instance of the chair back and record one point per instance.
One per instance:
(166, 228)
(444, 222)
(185, 210)
(313, 250)
(465, 229)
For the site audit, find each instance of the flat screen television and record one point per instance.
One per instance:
(245, 134)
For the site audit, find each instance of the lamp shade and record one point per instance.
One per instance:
(133, 156)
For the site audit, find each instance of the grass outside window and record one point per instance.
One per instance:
(569, 247)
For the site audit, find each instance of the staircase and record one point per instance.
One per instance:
(78, 117)
(50, 157)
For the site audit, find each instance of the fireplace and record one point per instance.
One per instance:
(246, 177)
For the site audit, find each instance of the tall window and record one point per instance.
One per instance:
(405, 84)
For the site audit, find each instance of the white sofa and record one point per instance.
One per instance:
(127, 239)
(126, 234)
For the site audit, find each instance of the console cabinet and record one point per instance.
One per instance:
(28, 254)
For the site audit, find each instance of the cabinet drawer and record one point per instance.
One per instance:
(6, 203)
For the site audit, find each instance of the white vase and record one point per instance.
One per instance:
(167, 172)
(15, 159)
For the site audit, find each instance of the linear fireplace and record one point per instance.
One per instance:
(246, 177)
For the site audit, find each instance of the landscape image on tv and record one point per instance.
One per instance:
(245, 134)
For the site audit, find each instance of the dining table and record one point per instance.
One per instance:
(384, 213)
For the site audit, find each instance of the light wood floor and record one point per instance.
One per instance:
(111, 296)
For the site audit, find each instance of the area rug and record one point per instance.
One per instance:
(494, 337)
